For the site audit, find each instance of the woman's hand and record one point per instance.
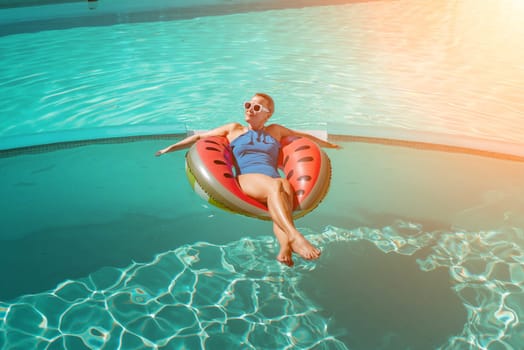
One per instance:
(160, 152)
(332, 145)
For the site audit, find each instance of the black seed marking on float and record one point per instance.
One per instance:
(213, 142)
(219, 162)
(304, 178)
(285, 161)
(302, 148)
(306, 159)
(290, 174)
(212, 149)
(228, 175)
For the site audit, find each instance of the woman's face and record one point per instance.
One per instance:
(258, 111)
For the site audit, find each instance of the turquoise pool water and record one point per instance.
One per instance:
(395, 64)
(429, 256)
(104, 246)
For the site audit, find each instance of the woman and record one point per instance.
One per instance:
(256, 148)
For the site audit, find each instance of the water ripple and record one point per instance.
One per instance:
(360, 64)
(215, 296)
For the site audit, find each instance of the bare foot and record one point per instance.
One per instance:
(302, 247)
(284, 256)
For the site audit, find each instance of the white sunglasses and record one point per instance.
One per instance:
(256, 107)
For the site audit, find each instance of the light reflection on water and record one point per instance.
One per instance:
(452, 67)
(215, 297)
(150, 281)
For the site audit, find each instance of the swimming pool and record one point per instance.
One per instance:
(105, 246)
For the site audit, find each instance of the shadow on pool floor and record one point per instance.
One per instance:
(384, 301)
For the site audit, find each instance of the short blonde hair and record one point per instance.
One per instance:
(269, 100)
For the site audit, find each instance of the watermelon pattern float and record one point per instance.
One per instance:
(210, 169)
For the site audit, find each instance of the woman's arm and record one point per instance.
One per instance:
(188, 141)
(283, 132)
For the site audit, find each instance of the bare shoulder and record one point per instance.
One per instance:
(278, 131)
(235, 126)
(235, 130)
(223, 130)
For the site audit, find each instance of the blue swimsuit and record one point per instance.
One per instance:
(256, 152)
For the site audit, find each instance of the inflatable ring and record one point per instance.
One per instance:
(210, 168)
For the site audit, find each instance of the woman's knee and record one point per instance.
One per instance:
(283, 186)
(279, 184)
(286, 186)
(275, 186)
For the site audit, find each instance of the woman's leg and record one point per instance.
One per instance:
(297, 242)
(277, 193)
(284, 255)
